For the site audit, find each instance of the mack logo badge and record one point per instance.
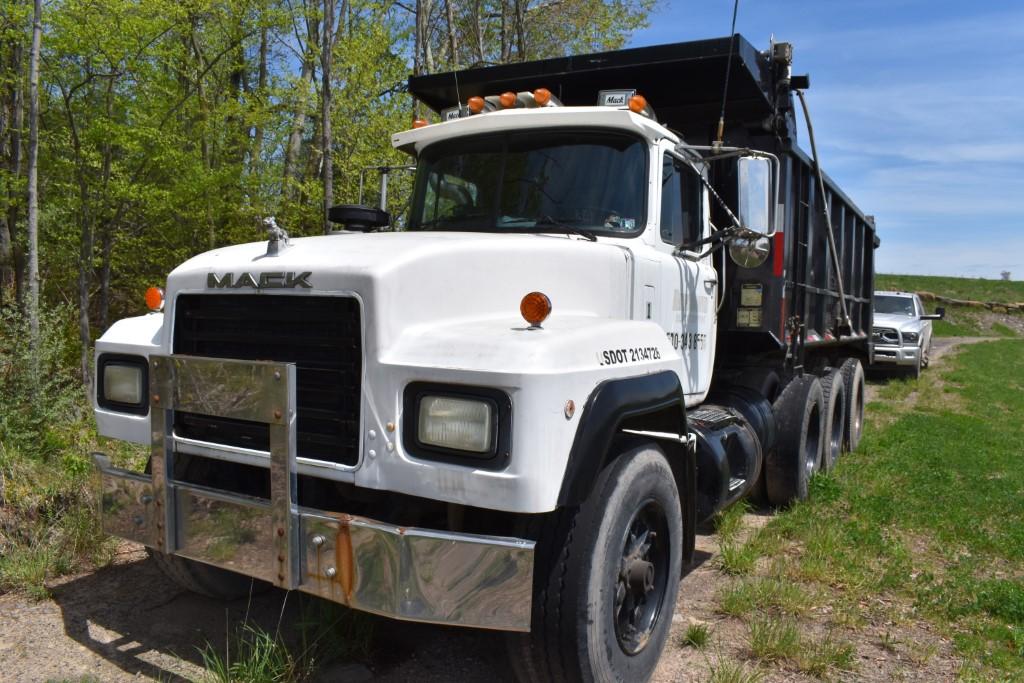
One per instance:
(261, 281)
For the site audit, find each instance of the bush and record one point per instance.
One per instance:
(48, 526)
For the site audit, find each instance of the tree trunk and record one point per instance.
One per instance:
(325, 96)
(261, 97)
(453, 43)
(294, 146)
(32, 300)
(479, 32)
(17, 272)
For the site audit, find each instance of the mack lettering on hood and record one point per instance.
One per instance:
(278, 280)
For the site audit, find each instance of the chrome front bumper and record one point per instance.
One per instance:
(401, 572)
(896, 355)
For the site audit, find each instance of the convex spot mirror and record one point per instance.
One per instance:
(754, 193)
(358, 217)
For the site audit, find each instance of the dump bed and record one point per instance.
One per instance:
(684, 83)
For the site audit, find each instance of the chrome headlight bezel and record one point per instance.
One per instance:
(140, 366)
(499, 404)
(910, 337)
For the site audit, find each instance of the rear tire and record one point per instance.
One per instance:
(205, 579)
(853, 378)
(604, 586)
(799, 414)
(833, 394)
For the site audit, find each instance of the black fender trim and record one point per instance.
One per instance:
(609, 406)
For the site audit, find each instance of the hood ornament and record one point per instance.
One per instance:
(278, 236)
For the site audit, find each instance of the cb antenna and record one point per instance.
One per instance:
(728, 70)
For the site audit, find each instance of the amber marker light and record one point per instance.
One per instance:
(637, 104)
(535, 308)
(475, 104)
(420, 123)
(542, 96)
(508, 99)
(155, 299)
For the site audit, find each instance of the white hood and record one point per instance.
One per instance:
(426, 278)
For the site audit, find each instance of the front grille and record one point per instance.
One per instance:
(320, 334)
(885, 335)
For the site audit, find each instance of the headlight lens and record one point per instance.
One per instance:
(910, 337)
(457, 423)
(122, 383)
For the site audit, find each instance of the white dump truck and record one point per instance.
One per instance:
(608, 314)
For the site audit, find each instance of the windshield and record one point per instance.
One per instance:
(557, 181)
(900, 305)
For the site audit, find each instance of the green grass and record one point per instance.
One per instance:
(774, 640)
(973, 289)
(730, 671)
(697, 636)
(928, 513)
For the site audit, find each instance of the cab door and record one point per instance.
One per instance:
(689, 272)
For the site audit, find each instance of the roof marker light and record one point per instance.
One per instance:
(420, 123)
(476, 104)
(541, 96)
(508, 99)
(637, 104)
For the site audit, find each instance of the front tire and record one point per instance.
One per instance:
(205, 579)
(606, 578)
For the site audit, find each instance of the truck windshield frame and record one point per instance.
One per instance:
(587, 181)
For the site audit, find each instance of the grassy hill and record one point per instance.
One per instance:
(962, 321)
(974, 289)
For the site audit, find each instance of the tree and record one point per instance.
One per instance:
(32, 300)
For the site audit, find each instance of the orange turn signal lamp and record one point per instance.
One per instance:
(508, 99)
(420, 123)
(637, 104)
(155, 299)
(542, 96)
(535, 308)
(476, 104)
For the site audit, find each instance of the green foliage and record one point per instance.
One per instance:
(774, 639)
(254, 656)
(731, 671)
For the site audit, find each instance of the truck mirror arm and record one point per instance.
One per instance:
(719, 153)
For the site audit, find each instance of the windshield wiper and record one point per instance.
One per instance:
(562, 224)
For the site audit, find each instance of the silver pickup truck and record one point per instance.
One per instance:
(902, 331)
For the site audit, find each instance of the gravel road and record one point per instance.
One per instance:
(126, 623)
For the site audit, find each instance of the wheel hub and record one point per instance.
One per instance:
(642, 578)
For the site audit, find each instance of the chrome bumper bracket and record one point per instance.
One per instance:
(401, 572)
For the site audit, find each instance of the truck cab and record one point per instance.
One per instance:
(590, 335)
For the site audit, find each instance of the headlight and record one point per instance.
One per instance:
(122, 383)
(460, 424)
(910, 337)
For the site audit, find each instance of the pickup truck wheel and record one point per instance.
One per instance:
(853, 378)
(205, 579)
(606, 578)
(799, 413)
(915, 371)
(833, 394)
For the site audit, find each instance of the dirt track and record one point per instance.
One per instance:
(125, 622)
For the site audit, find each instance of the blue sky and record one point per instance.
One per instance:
(918, 109)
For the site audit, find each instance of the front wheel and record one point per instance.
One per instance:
(606, 578)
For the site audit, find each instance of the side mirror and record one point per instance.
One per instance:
(754, 194)
(358, 217)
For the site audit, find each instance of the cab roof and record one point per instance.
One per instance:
(413, 141)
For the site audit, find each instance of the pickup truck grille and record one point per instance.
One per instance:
(885, 335)
(322, 335)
